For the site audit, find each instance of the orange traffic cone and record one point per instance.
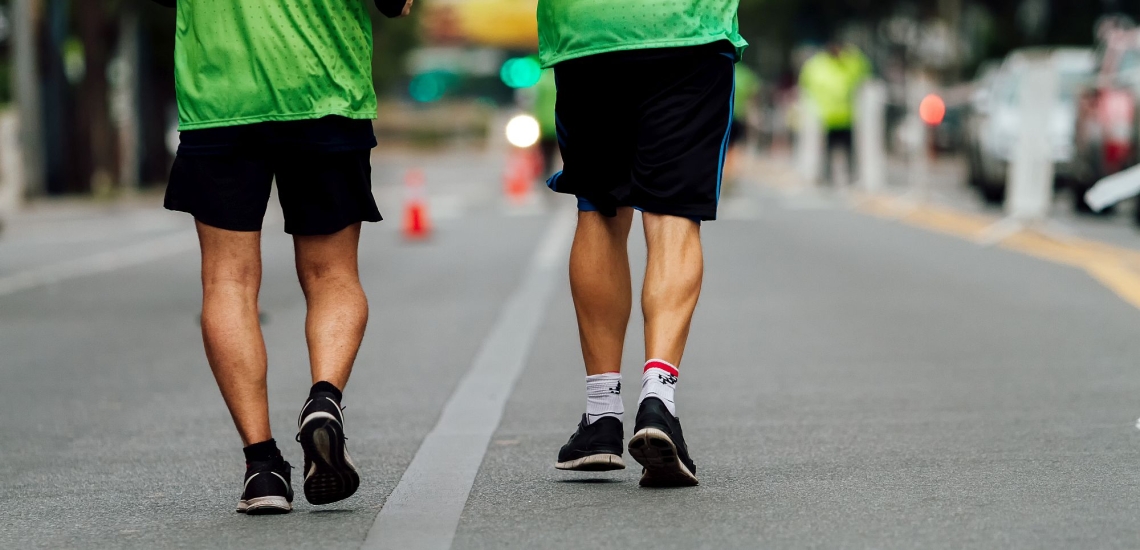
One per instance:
(518, 180)
(417, 223)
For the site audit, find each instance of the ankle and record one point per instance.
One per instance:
(325, 386)
(261, 452)
(659, 380)
(603, 397)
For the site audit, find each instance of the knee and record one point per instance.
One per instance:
(239, 277)
(318, 273)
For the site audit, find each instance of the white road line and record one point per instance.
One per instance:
(424, 509)
(103, 262)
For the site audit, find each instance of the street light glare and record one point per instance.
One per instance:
(523, 131)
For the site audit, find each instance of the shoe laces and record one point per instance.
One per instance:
(297, 437)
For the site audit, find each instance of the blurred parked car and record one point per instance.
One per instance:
(1106, 137)
(996, 114)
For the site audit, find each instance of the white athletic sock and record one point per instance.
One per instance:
(603, 396)
(659, 380)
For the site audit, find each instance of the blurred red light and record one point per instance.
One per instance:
(932, 110)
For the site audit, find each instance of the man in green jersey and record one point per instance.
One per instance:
(644, 110)
(271, 90)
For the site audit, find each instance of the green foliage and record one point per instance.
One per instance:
(5, 82)
(431, 86)
(5, 56)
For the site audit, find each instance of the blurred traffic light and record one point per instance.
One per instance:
(431, 86)
(932, 110)
(521, 72)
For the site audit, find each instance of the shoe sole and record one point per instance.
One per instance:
(331, 476)
(594, 463)
(656, 452)
(264, 506)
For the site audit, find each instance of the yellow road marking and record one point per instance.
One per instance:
(1119, 279)
(1116, 268)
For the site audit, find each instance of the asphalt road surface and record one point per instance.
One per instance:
(851, 382)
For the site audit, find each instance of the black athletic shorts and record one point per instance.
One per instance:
(223, 176)
(738, 134)
(646, 129)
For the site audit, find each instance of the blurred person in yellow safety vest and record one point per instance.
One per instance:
(745, 119)
(830, 80)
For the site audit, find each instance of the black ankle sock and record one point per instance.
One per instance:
(260, 452)
(325, 387)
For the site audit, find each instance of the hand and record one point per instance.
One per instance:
(394, 8)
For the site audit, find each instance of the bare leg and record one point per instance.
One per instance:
(732, 164)
(337, 308)
(673, 277)
(235, 349)
(600, 284)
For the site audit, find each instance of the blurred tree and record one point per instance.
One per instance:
(5, 49)
(84, 137)
(156, 82)
(96, 158)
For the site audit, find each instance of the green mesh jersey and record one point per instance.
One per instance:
(246, 61)
(575, 28)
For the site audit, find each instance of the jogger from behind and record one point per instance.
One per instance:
(644, 110)
(279, 91)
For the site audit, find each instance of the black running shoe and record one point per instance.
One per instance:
(330, 474)
(268, 488)
(659, 446)
(594, 447)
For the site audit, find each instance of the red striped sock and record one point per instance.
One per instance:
(659, 380)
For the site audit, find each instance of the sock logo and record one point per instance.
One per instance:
(667, 379)
(616, 390)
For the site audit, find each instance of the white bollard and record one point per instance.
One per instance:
(809, 146)
(916, 136)
(870, 136)
(1029, 188)
(11, 165)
